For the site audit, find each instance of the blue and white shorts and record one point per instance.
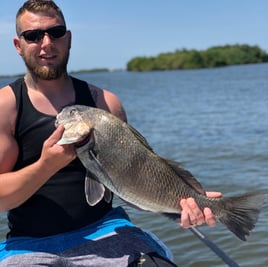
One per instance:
(111, 241)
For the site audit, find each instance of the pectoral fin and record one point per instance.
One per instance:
(107, 195)
(94, 190)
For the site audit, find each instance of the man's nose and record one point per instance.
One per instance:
(46, 39)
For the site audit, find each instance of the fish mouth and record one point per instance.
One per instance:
(83, 142)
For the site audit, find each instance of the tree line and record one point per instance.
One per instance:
(216, 56)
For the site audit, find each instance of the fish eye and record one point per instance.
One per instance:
(72, 111)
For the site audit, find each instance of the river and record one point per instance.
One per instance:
(215, 123)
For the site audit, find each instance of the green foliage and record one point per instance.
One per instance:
(90, 70)
(216, 56)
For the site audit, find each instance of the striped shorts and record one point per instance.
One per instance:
(112, 241)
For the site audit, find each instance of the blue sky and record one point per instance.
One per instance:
(108, 33)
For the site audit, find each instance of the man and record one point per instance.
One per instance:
(42, 183)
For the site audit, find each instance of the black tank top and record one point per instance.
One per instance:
(60, 204)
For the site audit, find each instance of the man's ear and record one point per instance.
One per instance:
(16, 42)
(69, 39)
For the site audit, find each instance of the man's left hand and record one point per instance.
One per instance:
(192, 215)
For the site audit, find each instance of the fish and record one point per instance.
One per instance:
(119, 160)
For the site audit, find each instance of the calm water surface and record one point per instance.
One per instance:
(213, 121)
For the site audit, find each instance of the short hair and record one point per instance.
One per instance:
(36, 6)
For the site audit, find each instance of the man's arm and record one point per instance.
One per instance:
(17, 186)
(108, 101)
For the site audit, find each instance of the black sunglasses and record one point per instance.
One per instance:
(37, 35)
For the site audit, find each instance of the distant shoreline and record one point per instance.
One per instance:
(95, 70)
(213, 57)
(71, 72)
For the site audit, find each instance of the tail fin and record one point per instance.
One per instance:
(241, 213)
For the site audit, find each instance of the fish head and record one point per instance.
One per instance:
(77, 128)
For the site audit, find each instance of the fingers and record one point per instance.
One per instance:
(191, 214)
(55, 136)
(60, 153)
(214, 194)
(209, 217)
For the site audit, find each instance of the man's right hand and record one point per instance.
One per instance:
(57, 156)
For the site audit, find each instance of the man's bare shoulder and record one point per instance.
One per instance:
(7, 97)
(107, 100)
(8, 114)
(8, 109)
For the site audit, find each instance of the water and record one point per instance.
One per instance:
(213, 121)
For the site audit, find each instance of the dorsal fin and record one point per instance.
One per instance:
(140, 137)
(186, 176)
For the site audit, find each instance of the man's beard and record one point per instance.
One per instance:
(47, 72)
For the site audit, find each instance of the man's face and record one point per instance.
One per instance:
(46, 59)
